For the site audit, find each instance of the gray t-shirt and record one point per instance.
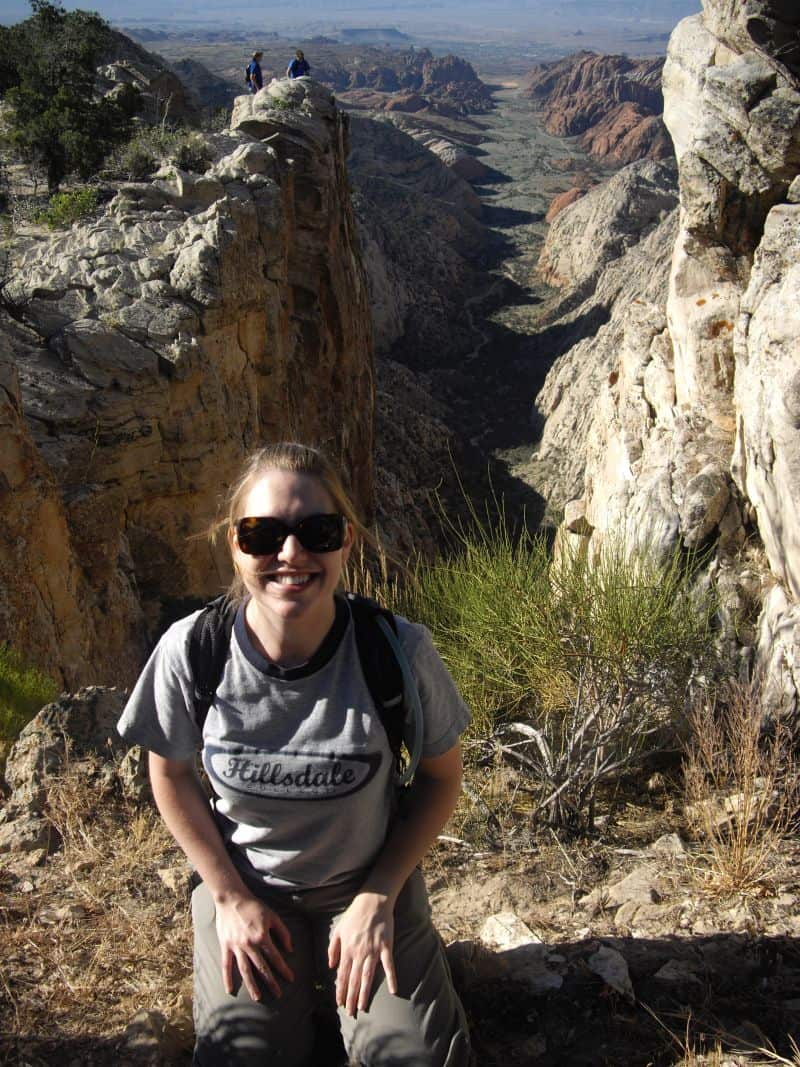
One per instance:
(298, 760)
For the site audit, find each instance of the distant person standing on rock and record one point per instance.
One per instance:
(299, 66)
(255, 79)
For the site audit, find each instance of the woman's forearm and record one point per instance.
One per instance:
(186, 812)
(430, 803)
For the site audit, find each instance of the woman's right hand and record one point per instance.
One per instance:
(247, 932)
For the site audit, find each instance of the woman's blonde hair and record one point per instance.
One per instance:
(296, 459)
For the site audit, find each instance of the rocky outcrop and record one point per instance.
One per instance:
(558, 203)
(453, 80)
(695, 435)
(413, 114)
(196, 317)
(76, 731)
(627, 133)
(586, 340)
(44, 594)
(608, 220)
(613, 101)
(210, 91)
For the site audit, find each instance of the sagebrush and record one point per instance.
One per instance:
(151, 146)
(68, 207)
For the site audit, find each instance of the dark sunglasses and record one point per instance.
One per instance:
(261, 535)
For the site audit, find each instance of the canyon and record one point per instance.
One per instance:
(427, 290)
(619, 368)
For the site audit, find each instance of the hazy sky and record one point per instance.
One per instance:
(495, 15)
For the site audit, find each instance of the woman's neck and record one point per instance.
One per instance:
(287, 642)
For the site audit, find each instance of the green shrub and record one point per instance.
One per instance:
(573, 669)
(23, 691)
(152, 146)
(65, 208)
(191, 153)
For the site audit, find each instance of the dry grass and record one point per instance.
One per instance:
(94, 936)
(717, 1049)
(742, 789)
(719, 1056)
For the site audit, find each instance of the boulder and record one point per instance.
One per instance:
(78, 730)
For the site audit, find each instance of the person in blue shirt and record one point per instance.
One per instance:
(299, 66)
(254, 76)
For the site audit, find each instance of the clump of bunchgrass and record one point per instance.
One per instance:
(742, 779)
(151, 146)
(572, 665)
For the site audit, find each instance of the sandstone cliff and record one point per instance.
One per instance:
(196, 317)
(606, 221)
(694, 435)
(610, 251)
(613, 102)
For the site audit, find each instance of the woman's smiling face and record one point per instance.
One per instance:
(292, 583)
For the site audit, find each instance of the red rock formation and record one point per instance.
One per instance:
(627, 133)
(561, 201)
(605, 98)
(409, 102)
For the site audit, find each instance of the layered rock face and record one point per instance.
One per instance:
(198, 317)
(606, 221)
(610, 251)
(695, 433)
(612, 101)
(420, 236)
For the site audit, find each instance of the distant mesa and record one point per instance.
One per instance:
(373, 35)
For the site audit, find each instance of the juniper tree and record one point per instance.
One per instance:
(57, 121)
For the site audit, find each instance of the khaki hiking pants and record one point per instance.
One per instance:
(423, 1026)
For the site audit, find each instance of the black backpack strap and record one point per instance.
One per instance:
(381, 669)
(208, 650)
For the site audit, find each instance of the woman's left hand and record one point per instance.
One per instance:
(362, 938)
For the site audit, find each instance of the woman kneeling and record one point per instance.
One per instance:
(309, 897)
